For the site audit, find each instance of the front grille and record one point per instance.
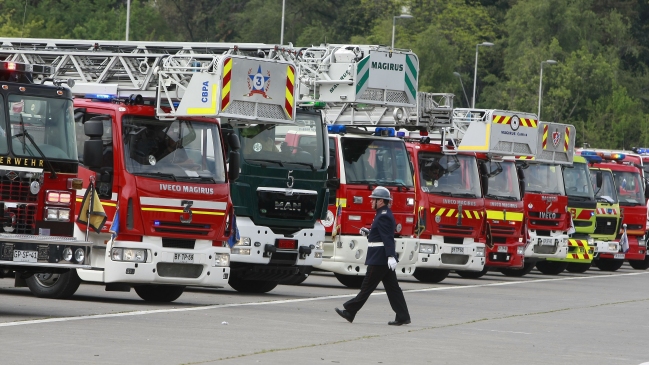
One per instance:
(25, 215)
(169, 270)
(181, 228)
(178, 243)
(545, 250)
(502, 231)
(605, 225)
(461, 230)
(500, 256)
(372, 94)
(454, 240)
(14, 186)
(582, 223)
(297, 206)
(454, 259)
(544, 223)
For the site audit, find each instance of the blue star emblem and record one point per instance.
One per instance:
(258, 80)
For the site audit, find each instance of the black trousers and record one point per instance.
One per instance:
(375, 275)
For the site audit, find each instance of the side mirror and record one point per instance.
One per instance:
(233, 142)
(646, 191)
(598, 179)
(233, 165)
(484, 178)
(521, 181)
(93, 147)
(333, 183)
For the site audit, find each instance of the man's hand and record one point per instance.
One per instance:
(364, 232)
(392, 263)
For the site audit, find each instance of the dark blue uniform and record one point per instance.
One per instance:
(378, 270)
(382, 231)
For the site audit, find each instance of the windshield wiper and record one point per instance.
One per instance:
(463, 195)
(201, 178)
(303, 164)
(579, 198)
(24, 133)
(501, 197)
(157, 175)
(263, 160)
(447, 193)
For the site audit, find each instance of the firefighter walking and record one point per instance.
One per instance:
(381, 262)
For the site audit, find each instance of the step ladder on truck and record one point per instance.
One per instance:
(494, 136)
(364, 90)
(546, 204)
(38, 179)
(157, 154)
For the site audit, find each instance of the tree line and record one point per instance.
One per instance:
(599, 82)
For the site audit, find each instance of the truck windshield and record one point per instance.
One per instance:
(50, 123)
(300, 145)
(452, 175)
(503, 180)
(376, 161)
(577, 181)
(173, 150)
(607, 190)
(630, 188)
(543, 179)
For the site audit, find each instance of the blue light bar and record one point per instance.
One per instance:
(100, 97)
(336, 129)
(401, 134)
(591, 158)
(588, 153)
(383, 131)
(641, 151)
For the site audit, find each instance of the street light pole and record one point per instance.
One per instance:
(281, 37)
(549, 62)
(475, 71)
(461, 83)
(128, 16)
(394, 24)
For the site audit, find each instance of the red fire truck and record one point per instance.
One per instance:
(38, 178)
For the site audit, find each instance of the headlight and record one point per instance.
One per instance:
(425, 248)
(79, 255)
(479, 252)
(642, 242)
(240, 251)
(52, 214)
(612, 246)
(221, 259)
(591, 241)
(243, 241)
(128, 254)
(64, 214)
(67, 254)
(520, 250)
(57, 214)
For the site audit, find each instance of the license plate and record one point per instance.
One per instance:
(619, 256)
(547, 241)
(185, 258)
(502, 248)
(25, 256)
(457, 250)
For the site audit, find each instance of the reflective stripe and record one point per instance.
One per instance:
(374, 244)
(499, 215)
(181, 211)
(164, 202)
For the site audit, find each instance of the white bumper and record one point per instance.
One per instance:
(469, 256)
(260, 236)
(346, 255)
(161, 266)
(612, 247)
(535, 248)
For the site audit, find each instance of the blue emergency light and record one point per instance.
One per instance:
(641, 151)
(401, 134)
(100, 97)
(383, 131)
(337, 129)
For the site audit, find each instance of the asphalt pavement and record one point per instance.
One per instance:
(591, 318)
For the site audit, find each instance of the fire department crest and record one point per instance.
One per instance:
(258, 83)
(556, 137)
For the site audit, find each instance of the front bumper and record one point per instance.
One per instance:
(448, 256)
(606, 247)
(38, 253)
(579, 251)
(537, 250)
(635, 252)
(510, 255)
(346, 255)
(262, 242)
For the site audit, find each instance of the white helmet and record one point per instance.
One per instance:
(381, 193)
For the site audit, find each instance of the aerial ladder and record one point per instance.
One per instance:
(146, 106)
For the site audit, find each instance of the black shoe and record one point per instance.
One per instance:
(348, 316)
(398, 323)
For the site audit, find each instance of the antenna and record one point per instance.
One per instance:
(24, 16)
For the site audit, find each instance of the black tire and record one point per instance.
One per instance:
(251, 286)
(159, 293)
(609, 264)
(517, 273)
(551, 267)
(578, 268)
(295, 280)
(431, 276)
(54, 286)
(472, 274)
(640, 264)
(350, 281)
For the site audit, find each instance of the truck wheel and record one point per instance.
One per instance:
(350, 281)
(159, 293)
(54, 286)
(517, 273)
(471, 274)
(431, 276)
(294, 280)
(578, 268)
(640, 264)
(551, 267)
(609, 264)
(251, 286)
